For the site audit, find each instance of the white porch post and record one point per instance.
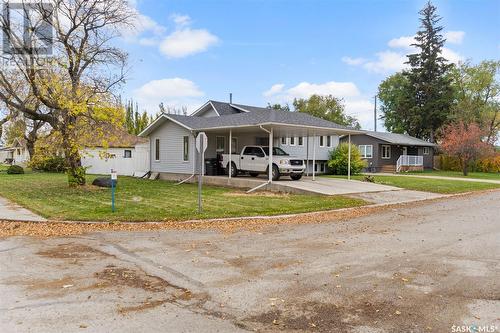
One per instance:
(230, 151)
(307, 155)
(270, 155)
(314, 157)
(349, 160)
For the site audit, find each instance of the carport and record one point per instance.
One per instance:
(269, 123)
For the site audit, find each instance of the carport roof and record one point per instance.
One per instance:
(251, 117)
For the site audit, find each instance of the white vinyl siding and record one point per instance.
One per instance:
(366, 151)
(171, 139)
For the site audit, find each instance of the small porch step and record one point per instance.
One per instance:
(388, 168)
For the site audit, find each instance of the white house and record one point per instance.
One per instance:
(125, 153)
(16, 153)
(172, 137)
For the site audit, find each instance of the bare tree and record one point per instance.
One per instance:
(68, 65)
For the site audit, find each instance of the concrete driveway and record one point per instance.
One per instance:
(333, 186)
(422, 268)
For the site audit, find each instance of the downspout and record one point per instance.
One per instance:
(194, 164)
(268, 181)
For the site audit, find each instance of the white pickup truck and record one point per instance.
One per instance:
(255, 161)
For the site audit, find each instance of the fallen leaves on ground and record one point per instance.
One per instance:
(64, 228)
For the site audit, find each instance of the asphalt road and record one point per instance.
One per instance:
(422, 268)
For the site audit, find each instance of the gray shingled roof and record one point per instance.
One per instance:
(399, 139)
(224, 109)
(256, 116)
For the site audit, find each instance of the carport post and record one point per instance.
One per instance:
(270, 155)
(307, 156)
(349, 160)
(314, 156)
(230, 149)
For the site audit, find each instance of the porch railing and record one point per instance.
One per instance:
(409, 160)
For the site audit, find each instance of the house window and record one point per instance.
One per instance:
(220, 143)
(366, 151)
(322, 167)
(283, 140)
(386, 152)
(315, 167)
(321, 141)
(186, 149)
(329, 141)
(127, 153)
(292, 141)
(301, 140)
(157, 149)
(234, 145)
(426, 150)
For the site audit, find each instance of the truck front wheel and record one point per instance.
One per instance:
(275, 172)
(232, 169)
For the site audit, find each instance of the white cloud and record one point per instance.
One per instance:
(394, 59)
(337, 89)
(454, 37)
(174, 92)
(353, 61)
(185, 42)
(181, 20)
(275, 89)
(451, 55)
(356, 104)
(403, 42)
(386, 62)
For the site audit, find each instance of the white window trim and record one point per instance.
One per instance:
(320, 139)
(363, 153)
(294, 141)
(389, 150)
(298, 141)
(188, 144)
(157, 141)
(224, 140)
(426, 151)
(286, 140)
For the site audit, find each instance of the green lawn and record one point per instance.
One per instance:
(145, 200)
(476, 175)
(444, 186)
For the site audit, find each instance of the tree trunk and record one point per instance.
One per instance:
(30, 146)
(75, 171)
(465, 168)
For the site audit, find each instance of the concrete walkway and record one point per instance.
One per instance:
(491, 181)
(12, 211)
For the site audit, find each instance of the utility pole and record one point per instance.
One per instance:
(375, 113)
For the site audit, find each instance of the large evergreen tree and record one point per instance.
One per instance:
(426, 94)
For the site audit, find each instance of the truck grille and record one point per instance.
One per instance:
(296, 162)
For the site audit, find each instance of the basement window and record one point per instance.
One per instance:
(127, 153)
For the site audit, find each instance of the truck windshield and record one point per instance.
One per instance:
(276, 151)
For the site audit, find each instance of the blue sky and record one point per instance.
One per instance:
(184, 52)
